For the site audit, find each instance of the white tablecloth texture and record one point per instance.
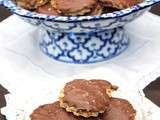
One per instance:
(30, 75)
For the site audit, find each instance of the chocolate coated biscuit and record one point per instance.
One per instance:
(119, 4)
(119, 109)
(31, 4)
(54, 112)
(47, 9)
(73, 7)
(96, 11)
(86, 97)
(78, 7)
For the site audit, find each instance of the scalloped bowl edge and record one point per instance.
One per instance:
(11, 6)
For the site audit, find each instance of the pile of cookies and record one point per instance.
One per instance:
(76, 7)
(86, 100)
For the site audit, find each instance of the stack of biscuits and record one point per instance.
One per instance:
(76, 7)
(86, 100)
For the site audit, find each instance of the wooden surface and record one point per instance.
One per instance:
(152, 91)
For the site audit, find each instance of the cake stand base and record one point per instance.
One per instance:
(84, 48)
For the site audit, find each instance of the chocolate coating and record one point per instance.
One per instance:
(31, 4)
(96, 11)
(119, 109)
(47, 9)
(54, 112)
(87, 95)
(120, 4)
(69, 7)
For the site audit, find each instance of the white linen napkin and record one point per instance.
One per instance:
(141, 59)
(31, 93)
(27, 73)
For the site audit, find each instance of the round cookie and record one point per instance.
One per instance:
(51, 112)
(73, 7)
(86, 97)
(96, 11)
(119, 109)
(120, 4)
(54, 112)
(31, 4)
(47, 9)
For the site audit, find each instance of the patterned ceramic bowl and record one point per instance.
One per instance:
(82, 39)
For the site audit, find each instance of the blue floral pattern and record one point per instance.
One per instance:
(82, 39)
(84, 48)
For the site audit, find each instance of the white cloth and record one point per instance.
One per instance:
(30, 75)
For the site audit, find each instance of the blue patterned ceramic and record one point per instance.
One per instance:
(83, 39)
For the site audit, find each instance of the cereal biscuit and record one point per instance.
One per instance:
(73, 7)
(47, 9)
(86, 97)
(96, 11)
(31, 4)
(120, 4)
(54, 112)
(119, 109)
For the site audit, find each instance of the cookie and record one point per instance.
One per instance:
(54, 112)
(119, 4)
(31, 4)
(73, 7)
(86, 97)
(96, 11)
(119, 109)
(47, 9)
